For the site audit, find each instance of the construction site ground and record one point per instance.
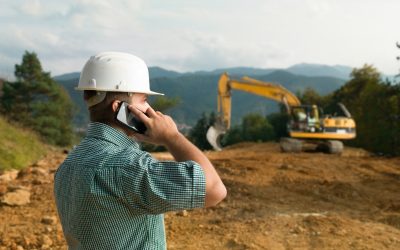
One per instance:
(275, 201)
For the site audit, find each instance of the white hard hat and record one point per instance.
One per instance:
(116, 72)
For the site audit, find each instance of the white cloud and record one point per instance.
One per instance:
(32, 7)
(319, 7)
(196, 35)
(37, 9)
(210, 52)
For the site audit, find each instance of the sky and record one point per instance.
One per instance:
(186, 35)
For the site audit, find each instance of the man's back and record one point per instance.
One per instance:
(111, 195)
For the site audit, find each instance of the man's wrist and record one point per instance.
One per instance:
(174, 140)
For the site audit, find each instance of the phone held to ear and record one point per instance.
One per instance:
(127, 118)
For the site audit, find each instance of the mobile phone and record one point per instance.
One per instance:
(127, 118)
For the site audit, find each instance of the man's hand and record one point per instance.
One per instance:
(161, 129)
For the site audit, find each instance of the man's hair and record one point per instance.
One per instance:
(103, 112)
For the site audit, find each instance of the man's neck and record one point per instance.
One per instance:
(121, 128)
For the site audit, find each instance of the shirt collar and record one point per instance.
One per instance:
(105, 132)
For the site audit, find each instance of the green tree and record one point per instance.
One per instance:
(354, 94)
(350, 93)
(161, 103)
(35, 100)
(279, 123)
(375, 106)
(254, 127)
(233, 136)
(198, 133)
(310, 96)
(377, 127)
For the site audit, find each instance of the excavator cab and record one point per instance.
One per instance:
(305, 118)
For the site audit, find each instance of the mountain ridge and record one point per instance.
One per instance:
(305, 69)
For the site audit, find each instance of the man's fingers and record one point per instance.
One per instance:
(150, 112)
(139, 114)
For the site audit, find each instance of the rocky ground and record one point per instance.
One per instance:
(275, 201)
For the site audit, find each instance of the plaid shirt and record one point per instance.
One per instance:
(111, 195)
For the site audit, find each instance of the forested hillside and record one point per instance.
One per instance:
(198, 93)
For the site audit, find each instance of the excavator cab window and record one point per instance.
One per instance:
(306, 118)
(299, 118)
(300, 114)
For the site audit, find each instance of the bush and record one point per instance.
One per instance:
(254, 127)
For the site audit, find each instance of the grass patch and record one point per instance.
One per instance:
(19, 147)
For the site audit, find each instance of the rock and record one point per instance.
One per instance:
(285, 166)
(29, 240)
(39, 171)
(24, 172)
(39, 181)
(36, 182)
(39, 163)
(49, 220)
(12, 188)
(183, 213)
(48, 229)
(315, 233)
(222, 205)
(341, 232)
(3, 189)
(9, 175)
(18, 197)
(298, 230)
(46, 242)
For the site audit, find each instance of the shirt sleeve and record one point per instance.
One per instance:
(153, 187)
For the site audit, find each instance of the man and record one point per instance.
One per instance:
(109, 193)
(312, 119)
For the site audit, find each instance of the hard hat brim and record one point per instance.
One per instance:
(124, 91)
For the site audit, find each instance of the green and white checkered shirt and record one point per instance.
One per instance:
(111, 195)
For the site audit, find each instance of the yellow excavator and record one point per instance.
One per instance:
(306, 124)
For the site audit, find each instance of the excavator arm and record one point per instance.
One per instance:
(225, 85)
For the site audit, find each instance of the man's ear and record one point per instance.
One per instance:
(115, 105)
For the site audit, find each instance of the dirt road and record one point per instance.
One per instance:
(275, 201)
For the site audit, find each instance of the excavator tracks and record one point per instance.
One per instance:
(291, 145)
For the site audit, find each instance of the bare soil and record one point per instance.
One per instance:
(275, 201)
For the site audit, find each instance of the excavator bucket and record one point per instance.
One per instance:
(214, 136)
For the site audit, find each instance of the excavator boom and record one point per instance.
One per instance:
(266, 89)
(247, 84)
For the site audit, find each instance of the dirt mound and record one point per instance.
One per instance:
(275, 201)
